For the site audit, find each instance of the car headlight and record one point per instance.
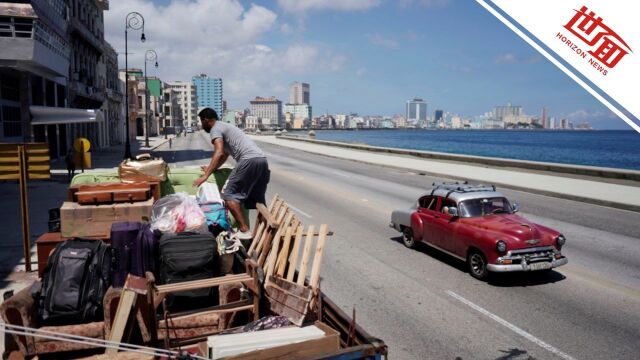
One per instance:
(560, 240)
(501, 246)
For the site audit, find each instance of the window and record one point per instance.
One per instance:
(428, 202)
(9, 87)
(485, 206)
(11, 122)
(446, 204)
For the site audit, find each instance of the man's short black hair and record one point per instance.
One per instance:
(208, 113)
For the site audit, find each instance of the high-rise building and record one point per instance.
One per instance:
(299, 93)
(500, 112)
(188, 101)
(209, 92)
(416, 110)
(545, 119)
(564, 124)
(438, 115)
(269, 110)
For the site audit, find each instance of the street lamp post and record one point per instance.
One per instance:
(135, 21)
(149, 55)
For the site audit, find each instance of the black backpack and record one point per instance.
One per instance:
(75, 280)
(184, 257)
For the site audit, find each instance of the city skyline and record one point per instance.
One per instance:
(352, 62)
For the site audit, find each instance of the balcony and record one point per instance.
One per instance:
(54, 12)
(30, 45)
(86, 91)
(79, 28)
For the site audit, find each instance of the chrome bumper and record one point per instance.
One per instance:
(525, 267)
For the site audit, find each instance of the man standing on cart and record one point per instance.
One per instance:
(247, 183)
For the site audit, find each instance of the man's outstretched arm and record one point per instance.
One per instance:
(217, 159)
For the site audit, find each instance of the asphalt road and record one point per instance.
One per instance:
(423, 304)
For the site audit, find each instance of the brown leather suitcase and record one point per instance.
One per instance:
(109, 193)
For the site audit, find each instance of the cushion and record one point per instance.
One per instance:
(93, 330)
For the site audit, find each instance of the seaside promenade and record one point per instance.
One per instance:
(623, 194)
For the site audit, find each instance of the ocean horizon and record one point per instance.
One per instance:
(602, 148)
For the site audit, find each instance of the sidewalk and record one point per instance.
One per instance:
(44, 195)
(591, 190)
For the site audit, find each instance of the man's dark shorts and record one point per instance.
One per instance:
(247, 182)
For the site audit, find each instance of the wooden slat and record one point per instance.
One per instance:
(256, 236)
(302, 292)
(127, 299)
(265, 245)
(294, 253)
(291, 301)
(308, 241)
(281, 262)
(317, 260)
(10, 168)
(9, 176)
(264, 212)
(204, 283)
(293, 315)
(272, 251)
(273, 202)
(38, 167)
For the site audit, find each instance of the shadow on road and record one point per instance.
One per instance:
(495, 279)
(437, 254)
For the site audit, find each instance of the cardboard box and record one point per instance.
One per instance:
(95, 220)
(328, 344)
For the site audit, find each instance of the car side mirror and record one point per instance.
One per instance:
(453, 211)
(515, 207)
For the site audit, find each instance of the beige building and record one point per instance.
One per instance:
(188, 101)
(269, 110)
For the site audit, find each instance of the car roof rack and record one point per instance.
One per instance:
(460, 187)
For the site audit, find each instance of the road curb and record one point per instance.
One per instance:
(622, 206)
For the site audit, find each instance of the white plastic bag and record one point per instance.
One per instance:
(208, 194)
(177, 213)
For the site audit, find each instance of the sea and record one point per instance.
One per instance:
(604, 148)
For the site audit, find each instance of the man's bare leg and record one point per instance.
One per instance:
(236, 211)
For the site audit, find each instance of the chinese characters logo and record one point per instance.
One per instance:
(606, 45)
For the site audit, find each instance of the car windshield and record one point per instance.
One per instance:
(485, 206)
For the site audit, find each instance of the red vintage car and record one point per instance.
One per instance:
(477, 224)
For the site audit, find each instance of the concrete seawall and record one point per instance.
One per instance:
(602, 172)
(602, 186)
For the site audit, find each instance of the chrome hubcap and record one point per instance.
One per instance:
(477, 264)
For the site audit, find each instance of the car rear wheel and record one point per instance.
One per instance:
(407, 238)
(477, 265)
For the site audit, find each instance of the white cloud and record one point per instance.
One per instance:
(423, 3)
(221, 38)
(388, 42)
(510, 58)
(301, 6)
(361, 71)
(286, 29)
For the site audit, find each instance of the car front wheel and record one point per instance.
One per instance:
(477, 265)
(407, 238)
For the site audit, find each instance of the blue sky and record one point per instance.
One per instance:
(364, 56)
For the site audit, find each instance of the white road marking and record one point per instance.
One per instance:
(299, 211)
(364, 200)
(510, 326)
(340, 174)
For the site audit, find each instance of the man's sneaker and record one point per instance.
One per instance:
(244, 235)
